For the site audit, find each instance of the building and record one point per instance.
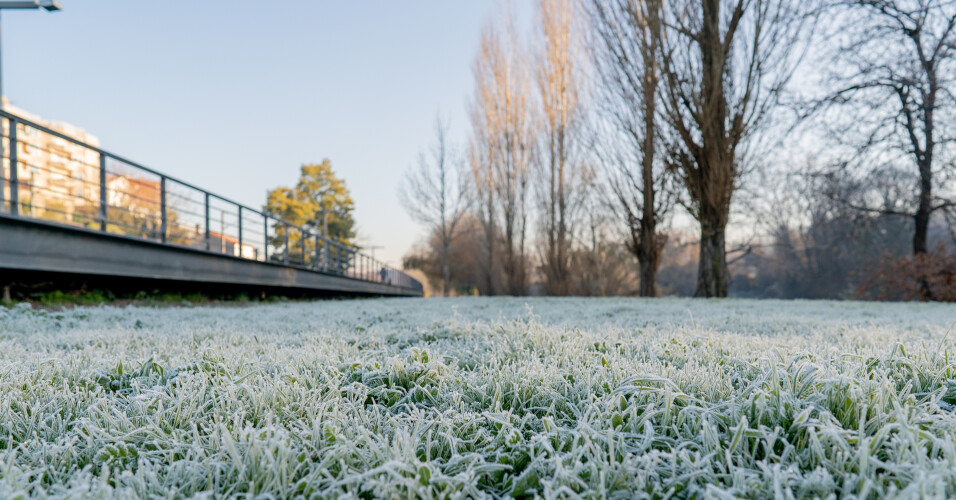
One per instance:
(141, 197)
(58, 179)
(229, 245)
(135, 205)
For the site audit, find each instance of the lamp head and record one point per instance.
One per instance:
(50, 5)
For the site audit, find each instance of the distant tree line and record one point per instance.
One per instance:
(809, 143)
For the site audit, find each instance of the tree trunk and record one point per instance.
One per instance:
(445, 268)
(921, 220)
(713, 278)
(509, 257)
(490, 271)
(648, 257)
(715, 174)
(649, 247)
(648, 278)
(490, 244)
(925, 164)
(562, 253)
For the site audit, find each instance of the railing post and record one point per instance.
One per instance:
(14, 175)
(163, 218)
(103, 200)
(285, 257)
(336, 259)
(222, 232)
(206, 210)
(315, 265)
(302, 244)
(325, 250)
(240, 230)
(265, 238)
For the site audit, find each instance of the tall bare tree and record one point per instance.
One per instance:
(895, 94)
(434, 195)
(723, 65)
(502, 148)
(625, 50)
(480, 153)
(559, 81)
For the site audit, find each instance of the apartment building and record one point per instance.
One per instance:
(58, 179)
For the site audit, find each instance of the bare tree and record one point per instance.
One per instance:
(434, 194)
(482, 148)
(483, 177)
(601, 262)
(625, 51)
(894, 95)
(502, 148)
(559, 80)
(818, 246)
(723, 65)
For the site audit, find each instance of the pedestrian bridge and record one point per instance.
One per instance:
(72, 209)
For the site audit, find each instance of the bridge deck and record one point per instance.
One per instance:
(46, 247)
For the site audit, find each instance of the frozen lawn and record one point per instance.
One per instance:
(556, 398)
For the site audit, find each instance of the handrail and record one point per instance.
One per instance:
(348, 260)
(97, 149)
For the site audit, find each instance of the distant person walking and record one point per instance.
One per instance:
(384, 274)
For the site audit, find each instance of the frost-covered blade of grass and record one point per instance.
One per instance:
(555, 398)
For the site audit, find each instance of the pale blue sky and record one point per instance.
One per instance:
(234, 95)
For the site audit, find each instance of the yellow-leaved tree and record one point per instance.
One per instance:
(317, 194)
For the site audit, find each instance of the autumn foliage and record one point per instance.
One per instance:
(927, 276)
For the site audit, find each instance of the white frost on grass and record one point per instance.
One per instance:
(557, 398)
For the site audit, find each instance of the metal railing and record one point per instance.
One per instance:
(46, 174)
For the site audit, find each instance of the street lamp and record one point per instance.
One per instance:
(48, 5)
(372, 249)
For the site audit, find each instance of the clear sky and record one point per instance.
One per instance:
(234, 96)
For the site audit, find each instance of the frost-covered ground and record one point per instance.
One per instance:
(555, 398)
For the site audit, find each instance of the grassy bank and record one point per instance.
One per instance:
(480, 397)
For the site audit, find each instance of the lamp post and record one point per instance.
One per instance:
(372, 249)
(48, 5)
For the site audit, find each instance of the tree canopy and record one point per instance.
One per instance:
(318, 189)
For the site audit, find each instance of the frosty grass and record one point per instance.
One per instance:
(554, 398)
